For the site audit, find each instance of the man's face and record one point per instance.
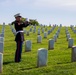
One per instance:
(18, 18)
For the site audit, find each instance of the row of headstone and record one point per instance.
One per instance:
(42, 53)
(73, 56)
(43, 29)
(67, 33)
(55, 25)
(39, 38)
(70, 44)
(69, 39)
(51, 41)
(3, 29)
(39, 31)
(2, 39)
(49, 31)
(28, 32)
(41, 56)
(2, 47)
(34, 29)
(57, 34)
(73, 29)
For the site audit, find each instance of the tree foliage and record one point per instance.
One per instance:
(32, 21)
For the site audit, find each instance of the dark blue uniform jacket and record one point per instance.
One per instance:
(20, 35)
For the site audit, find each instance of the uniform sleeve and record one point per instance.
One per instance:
(13, 23)
(25, 24)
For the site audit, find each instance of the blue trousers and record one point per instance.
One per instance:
(18, 51)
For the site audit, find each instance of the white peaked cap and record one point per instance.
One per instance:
(17, 15)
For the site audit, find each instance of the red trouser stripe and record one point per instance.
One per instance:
(18, 50)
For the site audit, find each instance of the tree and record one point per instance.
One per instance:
(23, 19)
(32, 21)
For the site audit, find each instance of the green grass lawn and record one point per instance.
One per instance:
(59, 59)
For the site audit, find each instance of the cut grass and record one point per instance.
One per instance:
(59, 59)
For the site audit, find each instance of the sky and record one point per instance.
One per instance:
(45, 11)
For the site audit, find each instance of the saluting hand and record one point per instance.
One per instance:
(26, 22)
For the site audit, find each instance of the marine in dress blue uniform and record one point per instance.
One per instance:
(19, 25)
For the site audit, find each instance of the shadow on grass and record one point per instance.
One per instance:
(64, 62)
(28, 68)
(5, 63)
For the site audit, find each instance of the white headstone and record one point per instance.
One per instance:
(57, 33)
(1, 35)
(45, 34)
(34, 27)
(49, 32)
(74, 54)
(1, 62)
(2, 32)
(38, 32)
(1, 47)
(1, 39)
(42, 57)
(27, 33)
(14, 32)
(39, 39)
(28, 46)
(74, 31)
(70, 42)
(51, 44)
(55, 38)
(68, 36)
(34, 30)
(30, 29)
(67, 33)
(42, 30)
